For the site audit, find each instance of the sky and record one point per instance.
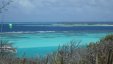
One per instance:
(59, 10)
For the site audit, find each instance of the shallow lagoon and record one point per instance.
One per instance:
(42, 43)
(46, 39)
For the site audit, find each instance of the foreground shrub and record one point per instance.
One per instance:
(66, 54)
(101, 52)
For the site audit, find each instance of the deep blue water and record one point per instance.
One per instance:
(57, 28)
(49, 27)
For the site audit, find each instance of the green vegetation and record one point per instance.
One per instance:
(100, 52)
(108, 37)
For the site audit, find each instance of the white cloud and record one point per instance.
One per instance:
(30, 4)
(65, 9)
(25, 4)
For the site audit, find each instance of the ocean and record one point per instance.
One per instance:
(41, 38)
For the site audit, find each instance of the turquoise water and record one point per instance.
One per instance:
(46, 39)
(40, 38)
(34, 44)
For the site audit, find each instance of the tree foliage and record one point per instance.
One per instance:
(4, 4)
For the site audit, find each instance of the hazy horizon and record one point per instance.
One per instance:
(61, 21)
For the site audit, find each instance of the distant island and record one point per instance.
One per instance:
(71, 25)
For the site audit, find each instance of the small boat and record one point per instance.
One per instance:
(6, 48)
